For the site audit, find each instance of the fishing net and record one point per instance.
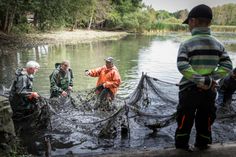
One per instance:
(83, 113)
(154, 102)
(81, 119)
(34, 119)
(151, 105)
(7, 132)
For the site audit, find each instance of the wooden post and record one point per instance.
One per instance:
(48, 147)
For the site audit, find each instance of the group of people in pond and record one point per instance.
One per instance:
(202, 60)
(61, 80)
(22, 97)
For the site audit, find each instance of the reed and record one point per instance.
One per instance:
(178, 27)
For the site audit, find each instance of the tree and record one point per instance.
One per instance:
(225, 15)
(162, 15)
(99, 12)
(181, 14)
(8, 9)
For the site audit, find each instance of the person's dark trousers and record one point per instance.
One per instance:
(199, 105)
(227, 98)
(54, 94)
(104, 94)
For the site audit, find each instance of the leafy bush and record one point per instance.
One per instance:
(169, 26)
(130, 22)
(23, 28)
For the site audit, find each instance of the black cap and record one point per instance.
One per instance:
(109, 59)
(200, 11)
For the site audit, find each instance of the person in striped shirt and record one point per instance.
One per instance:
(201, 60)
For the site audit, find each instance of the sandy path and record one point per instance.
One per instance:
(80, 36)
(11, 43)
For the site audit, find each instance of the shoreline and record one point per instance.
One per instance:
(215, 150)
(11, 43)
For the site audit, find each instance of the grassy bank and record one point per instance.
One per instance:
(218, 28)
(177, 27)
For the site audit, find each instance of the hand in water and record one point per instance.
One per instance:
(64, 93)
(33, 95)
(69, 88)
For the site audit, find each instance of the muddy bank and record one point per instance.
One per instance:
(215, 150)
(11, 43)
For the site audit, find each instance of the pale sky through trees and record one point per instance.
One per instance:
(175, 5)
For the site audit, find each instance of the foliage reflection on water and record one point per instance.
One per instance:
(155, 55)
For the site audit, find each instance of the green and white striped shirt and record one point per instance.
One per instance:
(201, 59)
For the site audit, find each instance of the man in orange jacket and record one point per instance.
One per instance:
(108, 79)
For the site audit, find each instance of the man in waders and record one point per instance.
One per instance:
(61, 80)
(21, 96)
(201, 60)
(108, 79)
(227, 89)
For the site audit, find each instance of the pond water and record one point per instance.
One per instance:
(154, 55)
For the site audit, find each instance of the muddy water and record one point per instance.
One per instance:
(154, 55)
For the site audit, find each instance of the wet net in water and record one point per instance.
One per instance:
(81, 123)
(152, 105)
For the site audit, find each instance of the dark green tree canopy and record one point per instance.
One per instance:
(132, 15)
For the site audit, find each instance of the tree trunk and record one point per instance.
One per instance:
(5, 25)
(74, 26)
(90, 22)
(35, 22)
(9, 17)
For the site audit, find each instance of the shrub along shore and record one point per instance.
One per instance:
(177, 27)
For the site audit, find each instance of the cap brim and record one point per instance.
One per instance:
(108, 61)
(185, 21)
